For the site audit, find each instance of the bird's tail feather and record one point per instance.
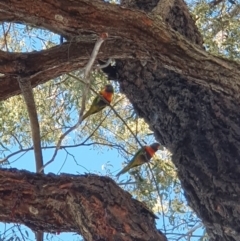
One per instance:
(120, 173)
(125, 169)
(86, 115)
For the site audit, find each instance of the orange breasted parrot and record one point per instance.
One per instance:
(142, 156)
(100, 102)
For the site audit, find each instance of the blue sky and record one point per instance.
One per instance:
(89, 159)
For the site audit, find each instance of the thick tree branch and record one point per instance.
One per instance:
(75, 203)
(173, 50)
(44, 65)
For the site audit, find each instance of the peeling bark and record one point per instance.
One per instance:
(95, 207)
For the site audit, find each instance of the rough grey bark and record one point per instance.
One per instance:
(201, 128)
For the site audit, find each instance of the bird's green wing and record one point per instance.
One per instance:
(138, 159)
(97, 105)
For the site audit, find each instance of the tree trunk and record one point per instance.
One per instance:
(189, 98)
(199, 124)
(201, 128)
(96, 207)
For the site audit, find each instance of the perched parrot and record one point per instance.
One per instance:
(100, 102)
(142, 156)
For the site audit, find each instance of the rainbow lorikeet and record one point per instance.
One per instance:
(100, 102)
(142, 156)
